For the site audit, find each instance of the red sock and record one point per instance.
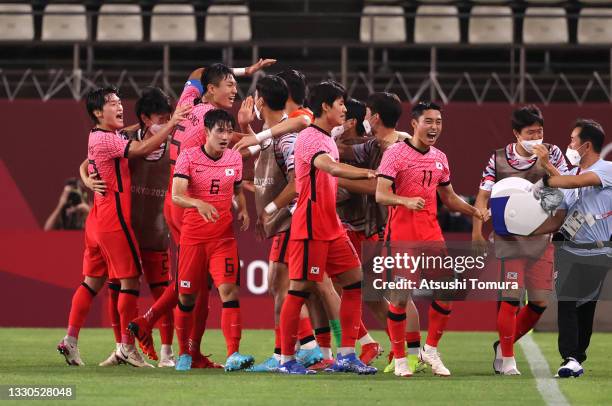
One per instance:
(362, 330)
(113, 313)
(323, 335)
(526, 319)
(166, 321)
(277, 339)
(304, 329)
(387, 332)
(350, 314)
(413, 339)
(439, 314)
(231, 325)
(506, 324)
(396, 325)
(128, 311)
(163, 305)
(81, 302)
(183, 320)
(200, 316)
(290, 319)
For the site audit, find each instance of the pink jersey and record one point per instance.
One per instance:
(107, 153)
(315, 216)
(212, 181)
(414, 174)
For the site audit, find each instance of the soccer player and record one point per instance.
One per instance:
(525, 260)
(206, 89)
(409, 176)
(206, 178)
(110, 247)
(318, 242)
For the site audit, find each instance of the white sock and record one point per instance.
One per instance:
(366, 339)
(430, 348)
(509, 362)
(287, 358)
(117, 346)
(309, 345)
(166, 350)
(327, 353)
(276, 357)
(344, 351)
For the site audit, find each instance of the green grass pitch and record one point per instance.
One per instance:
(30, 358)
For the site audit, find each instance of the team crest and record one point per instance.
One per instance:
(314, 270)
(439, 165)
(185, 284)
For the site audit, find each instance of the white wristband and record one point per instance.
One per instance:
(239, 71)
(270, 208)
(253, 149)
(264, 135)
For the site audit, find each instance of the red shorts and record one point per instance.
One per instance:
(174, 218)
(113, 253)
(218, 258)
(278, 251)
(528, 272)
(310, 259)
(357, 237)
(156, 267)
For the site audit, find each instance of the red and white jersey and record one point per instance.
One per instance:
(107, 154)
(414, 174)
(211, 180)
(315, 216)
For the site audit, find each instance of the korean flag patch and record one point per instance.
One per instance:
(229, 171)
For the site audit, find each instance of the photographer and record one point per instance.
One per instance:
(71, 210)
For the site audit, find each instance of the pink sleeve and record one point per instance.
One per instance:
(315, 148)
(445, 179)
(115, 146)
(190, 93)
(388, 167)
(181, 168)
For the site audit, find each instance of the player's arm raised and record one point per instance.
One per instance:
(182, 199)
(243, 213)
(454, 203)
(326, 163)
(385, 195)
(145, 147)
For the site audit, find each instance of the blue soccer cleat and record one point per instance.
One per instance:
(183, 363)
(350, 363)
(237, 361)
(309, 357)
(294, 368)
(269, 365)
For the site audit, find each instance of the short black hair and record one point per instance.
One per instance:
(214, 74)
(357, 110)
(387, 105)
(325, 92)
(419, 108)
(96, 98)
(591, 131)
(296, 82)
(274, 91)
(218, 117)
(526, 116)
(153, 100)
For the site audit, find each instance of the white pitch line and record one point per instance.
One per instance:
(546, 384)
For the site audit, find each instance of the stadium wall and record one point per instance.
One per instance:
(44, 142)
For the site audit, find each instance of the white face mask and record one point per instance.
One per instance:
(257, 112)
(528, 145)
(573, 156)
(367, 127)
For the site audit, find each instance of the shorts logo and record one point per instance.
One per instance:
(512, 275)
(185, 284)
(314, 270)
(439, 165)
(229, 171)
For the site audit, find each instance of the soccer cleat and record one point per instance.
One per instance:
(390, 366)
(509, 367)
(415, 364)
(130, 355)
(269, 365)
(431, 357)
(294, 368)
(498, 360)
(370, 352)
(569, 368)
(166, 361)
(69, 349)
(322, 365)
(401, 368)
(309, 357)
(237, 361)
(202, 361)
(111, 361)
(141, 330)
(350, 363)
(183, 363)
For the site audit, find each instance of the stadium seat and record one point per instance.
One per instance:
(217, 27)
(68, 27)
(595, 30)
(168, 28)
(491, 30)
(120, 27)
(545, 30)
(16, 26)
(383, 29)
(443, 29)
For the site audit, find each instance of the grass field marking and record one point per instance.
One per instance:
(546, 384)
